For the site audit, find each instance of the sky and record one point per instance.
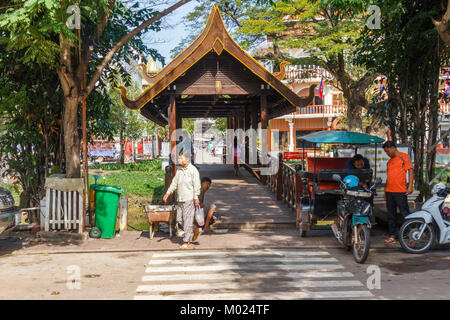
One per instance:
(169, 37)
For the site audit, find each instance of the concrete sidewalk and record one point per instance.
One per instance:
(129, 241)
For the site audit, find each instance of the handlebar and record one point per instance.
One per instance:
(344, 186)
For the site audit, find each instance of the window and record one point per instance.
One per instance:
(283, 141)
(300, 143)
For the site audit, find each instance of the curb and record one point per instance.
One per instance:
(323, 247)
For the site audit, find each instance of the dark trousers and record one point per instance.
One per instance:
(394, 201)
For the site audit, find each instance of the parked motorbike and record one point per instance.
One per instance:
(420, 229)
(352, 228)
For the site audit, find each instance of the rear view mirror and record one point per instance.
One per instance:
(336, 177)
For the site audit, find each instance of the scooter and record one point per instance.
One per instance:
(352, 228)
(420, 229)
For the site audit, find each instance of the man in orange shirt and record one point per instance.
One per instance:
(397, 189)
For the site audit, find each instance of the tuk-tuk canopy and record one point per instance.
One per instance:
(343, 137)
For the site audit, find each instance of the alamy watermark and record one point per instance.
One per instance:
(249, 146)
(74, 278)
(74, 20)
(374, 20)
(374, 280)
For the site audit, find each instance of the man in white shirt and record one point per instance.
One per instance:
(187, 185)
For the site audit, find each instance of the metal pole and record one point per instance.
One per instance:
(376, 155)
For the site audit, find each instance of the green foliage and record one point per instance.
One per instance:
(408, 51)
(188, 125)
(32, 33)
(144, 165)
(233, 11)
(134, 183)
(220, 125)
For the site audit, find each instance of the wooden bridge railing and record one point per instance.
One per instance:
(287, 184)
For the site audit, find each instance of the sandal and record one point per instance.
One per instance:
(390, 240)
(185, 246)
(197, 232)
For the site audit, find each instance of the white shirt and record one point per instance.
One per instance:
(187, 184)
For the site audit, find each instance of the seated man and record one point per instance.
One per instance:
(209, 210)
(358, 162)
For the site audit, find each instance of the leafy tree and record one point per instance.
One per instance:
(233, 12)
(129, 124)
(30, 125)
(408, 51)
(109, 30)
(220, 125)
(442, 21)
(188, 125)
(326, 31)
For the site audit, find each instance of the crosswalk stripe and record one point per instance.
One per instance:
(239, 259)
(248, 274)
(235, 286)
(236, 276)
(239, 252)
(221, 267)
(260, 295)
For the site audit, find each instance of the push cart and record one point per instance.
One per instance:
(159, 213)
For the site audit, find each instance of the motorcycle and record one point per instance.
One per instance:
(352, 228)
(420, 229)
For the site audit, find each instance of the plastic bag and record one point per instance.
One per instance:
(199, 216)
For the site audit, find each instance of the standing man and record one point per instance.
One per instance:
(396, 190)
(187, 184)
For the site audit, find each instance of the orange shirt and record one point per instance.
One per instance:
(396, 172)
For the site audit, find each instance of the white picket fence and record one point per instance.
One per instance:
(64, 210)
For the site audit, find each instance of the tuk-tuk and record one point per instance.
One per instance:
(331, 188)
(321, 192)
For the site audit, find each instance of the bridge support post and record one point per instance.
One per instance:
(279, 177)
(298, 194)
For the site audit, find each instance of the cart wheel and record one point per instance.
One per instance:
(95, 233)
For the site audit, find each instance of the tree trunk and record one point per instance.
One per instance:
(71, 138)
(354, 117)
(431, 152)
(71, 74)
(122, 148)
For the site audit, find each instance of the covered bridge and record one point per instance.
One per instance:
(214, 77)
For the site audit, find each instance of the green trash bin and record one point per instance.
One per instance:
(106, 205)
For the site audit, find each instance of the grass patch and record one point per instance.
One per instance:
(144, 165)
(142, 183)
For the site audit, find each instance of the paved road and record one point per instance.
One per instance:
(238, 273)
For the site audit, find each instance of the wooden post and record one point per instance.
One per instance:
(279, 177)
(263, 111)
(298, 194)
(123, 213)
(247, 118)
(263, 125)
(247, 139)
(255, 117)
(170, 173)
(172, 127)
